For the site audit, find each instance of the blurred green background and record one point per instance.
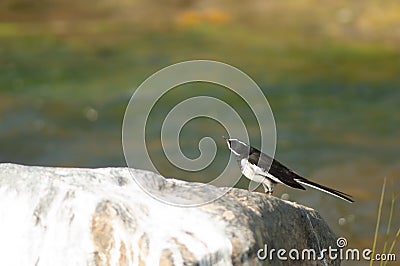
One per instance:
(330, 71)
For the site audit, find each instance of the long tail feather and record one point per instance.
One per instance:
(325, 189)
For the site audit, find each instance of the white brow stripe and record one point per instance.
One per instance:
(239, 142)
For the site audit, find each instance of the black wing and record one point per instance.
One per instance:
(278, 170)
(289, 177)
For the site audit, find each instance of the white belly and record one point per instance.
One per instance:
(255, 173)
(251, 171)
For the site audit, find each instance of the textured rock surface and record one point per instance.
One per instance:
(70, 216)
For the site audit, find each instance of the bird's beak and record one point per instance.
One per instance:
(227, 141)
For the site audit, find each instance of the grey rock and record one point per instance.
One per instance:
(71, 216)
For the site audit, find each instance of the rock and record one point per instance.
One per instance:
(71, 216)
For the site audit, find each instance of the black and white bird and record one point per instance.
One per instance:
(261, 168)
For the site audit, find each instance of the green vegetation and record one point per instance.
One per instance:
(391, 246)
(54, 51)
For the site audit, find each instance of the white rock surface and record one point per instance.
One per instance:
(70, 216)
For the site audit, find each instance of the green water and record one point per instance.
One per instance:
(336, 106)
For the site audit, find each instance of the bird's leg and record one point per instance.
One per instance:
(267, 189)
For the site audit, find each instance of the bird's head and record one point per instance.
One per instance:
(238, 147)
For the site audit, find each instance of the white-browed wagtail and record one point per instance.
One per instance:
(261, 168)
